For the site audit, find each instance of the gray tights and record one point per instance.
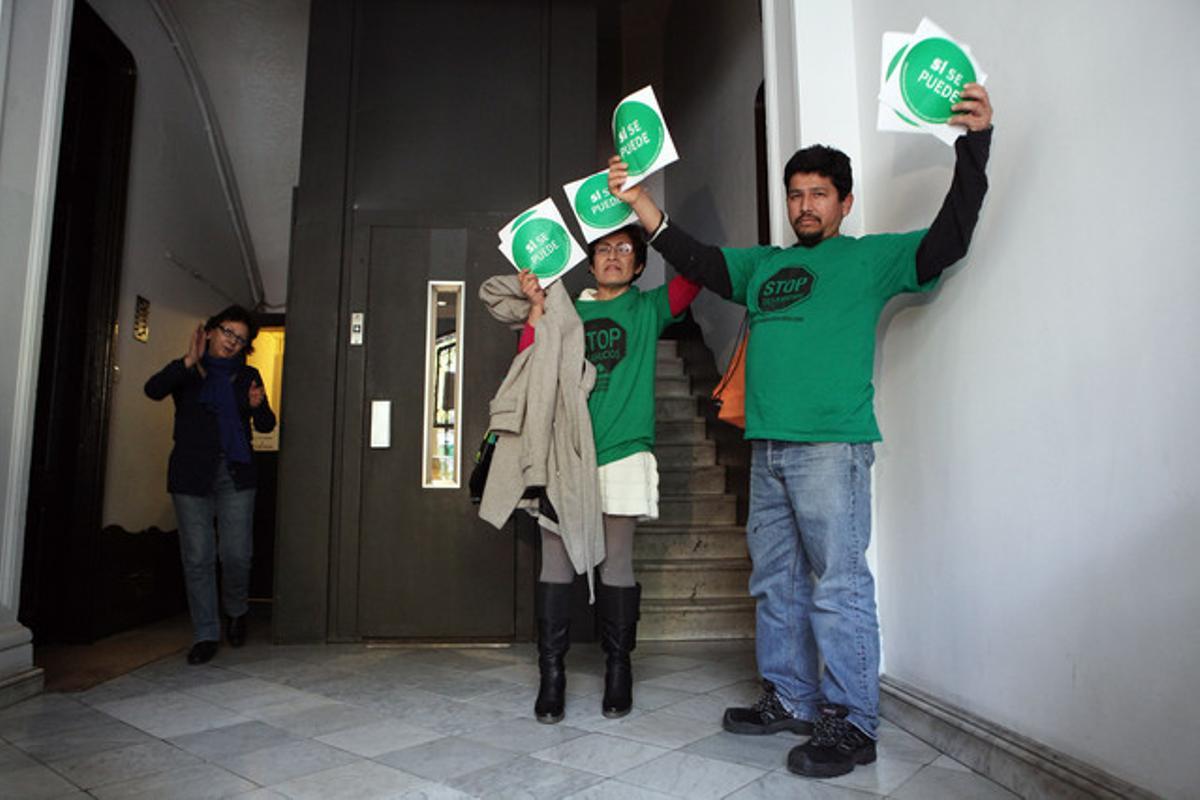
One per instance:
(615, 570)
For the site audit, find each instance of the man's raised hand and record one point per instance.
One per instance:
(974, 110)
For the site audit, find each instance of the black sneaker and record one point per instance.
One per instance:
(202, 652)
(837, 746)
(767, 715)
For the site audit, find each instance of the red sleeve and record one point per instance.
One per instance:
(527, 336)
(680, 294)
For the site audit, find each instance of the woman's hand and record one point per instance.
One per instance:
(536, 294)
(256, 394)
(196, 348)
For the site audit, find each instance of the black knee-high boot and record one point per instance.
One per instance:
(554, 639)
(618, 637)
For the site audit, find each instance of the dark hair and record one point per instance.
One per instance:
(824, 161)
(636, 235)
(236, 314)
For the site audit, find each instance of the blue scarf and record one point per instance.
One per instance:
(216, 394)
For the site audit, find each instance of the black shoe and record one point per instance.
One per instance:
(202, 652)
(837, 746)
(554, 639)
(235, 631)
(767, 715)
(618, 606)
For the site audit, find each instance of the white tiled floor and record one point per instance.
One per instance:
(345, 721)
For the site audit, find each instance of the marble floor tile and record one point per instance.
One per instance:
(306, 703)
(950, 784)
(883, 777)
(322, 719)
(613, 789)
(245, 737)
(652, 698)
(447, 758)
(33, 782)
(764, 752)
(700, 707)
(600, 753)
(663, 729)
(12, 758)
(526, 777)
(524, 735)
(360, 780)
(168, 714)
(946, 762)
(701, 679)
(428, 790)
(691, 776)
(742, 693)
(29, 720)
(280, 763)
(272, 667)
(663, 661)
(378, 738)
(112, 766)
(246, 694)
(458, 685)
(120, 688)
(175, 674)
(783, 784)
(586, 714)
(524, 674)
(900, 744)
(107, 735)
(199, 782)
(516, 701)
(452, 718)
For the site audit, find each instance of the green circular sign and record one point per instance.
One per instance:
(932, 77)
(638, 134)
(596, 206)
(542, 246)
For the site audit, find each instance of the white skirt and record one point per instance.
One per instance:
(629, 486)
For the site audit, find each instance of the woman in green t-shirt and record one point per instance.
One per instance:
(621, 330)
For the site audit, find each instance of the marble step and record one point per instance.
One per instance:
(684, 620)
(657, 541)
(704, 578)
(680, 431)
(693, 480)
(697, 509)
(685, 456)
(674, 408)
(680, 386)
(669, 367)
(667, 348)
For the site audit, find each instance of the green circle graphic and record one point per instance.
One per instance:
(596, 206)
(932, 77)
(638, 134)
(542, 246)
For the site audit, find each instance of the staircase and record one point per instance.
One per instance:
(692, 562)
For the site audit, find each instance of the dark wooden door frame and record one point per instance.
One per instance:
(60, 577)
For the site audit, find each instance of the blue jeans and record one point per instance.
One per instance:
(809, 526)
(199, 545)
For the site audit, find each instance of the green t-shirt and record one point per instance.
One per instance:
(813, 313)
(620, 337)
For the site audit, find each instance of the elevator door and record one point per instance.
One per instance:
(428, 568)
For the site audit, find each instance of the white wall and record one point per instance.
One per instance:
(1038, 510)
(174, 205)
(35, 34)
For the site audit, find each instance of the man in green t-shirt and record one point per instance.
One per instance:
(813, 311)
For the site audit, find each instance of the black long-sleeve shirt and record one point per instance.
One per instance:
(944, 243)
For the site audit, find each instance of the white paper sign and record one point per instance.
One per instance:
(537, 239)
(924, 78)
(640, 136)
(597, 211)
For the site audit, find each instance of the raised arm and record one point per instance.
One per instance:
(950, 234)
(537, 306)
(700, 263)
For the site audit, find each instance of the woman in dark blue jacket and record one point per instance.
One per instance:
(211, 473)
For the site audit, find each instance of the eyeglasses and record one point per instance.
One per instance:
(233, 337)
(621, 249)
